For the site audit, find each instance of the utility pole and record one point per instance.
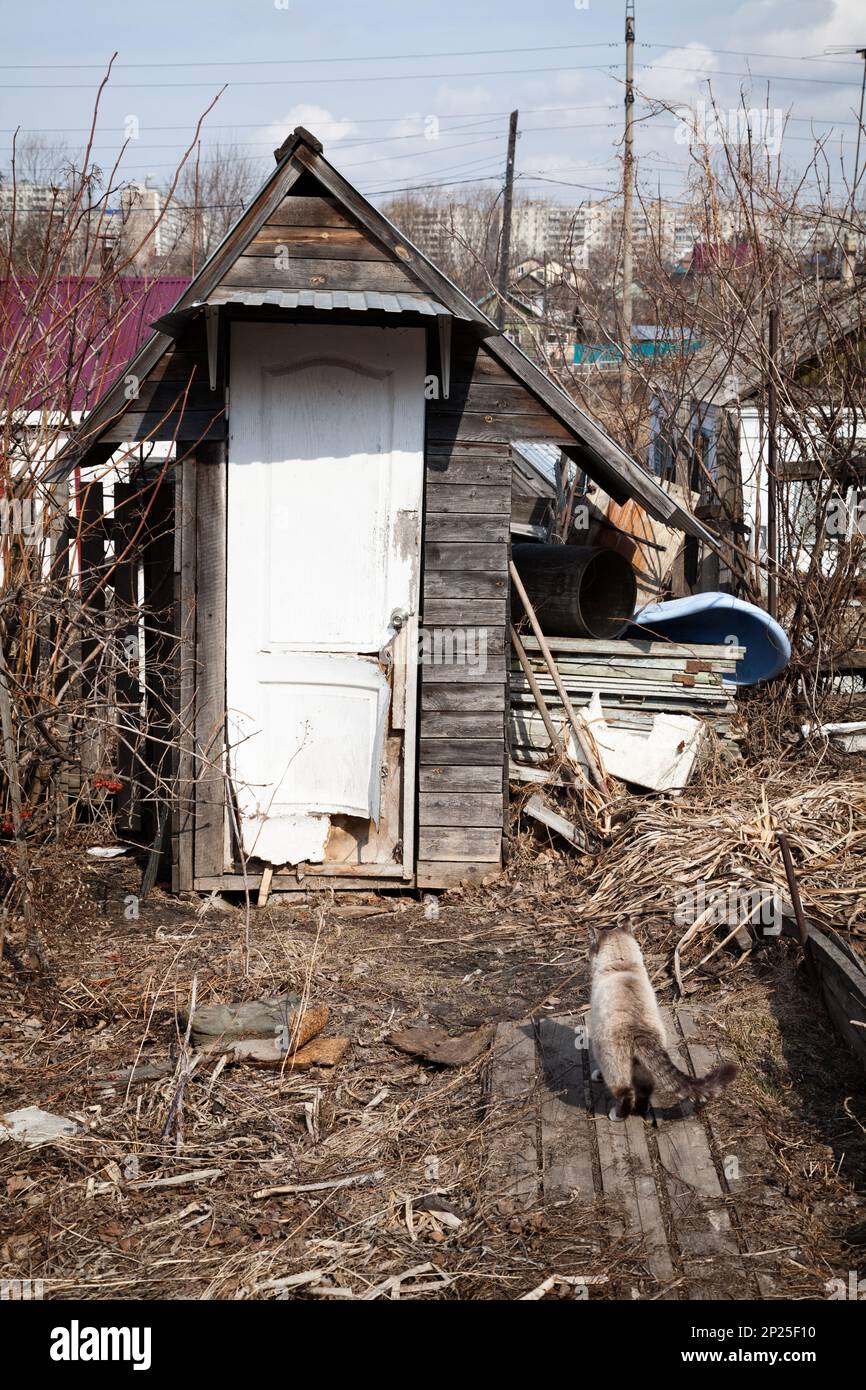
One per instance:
(628, 184)
(505, 239)
(861, 53)
(772, 458)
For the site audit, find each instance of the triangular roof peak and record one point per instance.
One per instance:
(300, 135)
(301, 154)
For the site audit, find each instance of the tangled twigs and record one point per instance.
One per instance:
(35, 947)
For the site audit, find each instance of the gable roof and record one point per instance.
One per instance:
(811, 318)
(300, 155)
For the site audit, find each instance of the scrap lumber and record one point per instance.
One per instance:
(543, 812)
(635, 680)
(513, 1148)
(582, 738)
(434, 1045)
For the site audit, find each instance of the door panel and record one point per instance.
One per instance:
(324, 512)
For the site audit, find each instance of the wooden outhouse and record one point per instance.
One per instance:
(340, 418)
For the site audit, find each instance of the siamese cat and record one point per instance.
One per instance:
(628, 1035)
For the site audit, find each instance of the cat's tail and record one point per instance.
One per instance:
(654, 1057)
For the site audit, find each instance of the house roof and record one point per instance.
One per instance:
(81, 337)
(811, 319)
(542, 458)
(301, 154)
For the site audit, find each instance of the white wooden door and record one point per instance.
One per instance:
(325, 486)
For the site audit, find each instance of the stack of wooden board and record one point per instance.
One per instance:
(635, 680)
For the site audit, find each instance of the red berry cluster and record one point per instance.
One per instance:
(107, 784)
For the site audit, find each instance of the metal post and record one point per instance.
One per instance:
(772, 458)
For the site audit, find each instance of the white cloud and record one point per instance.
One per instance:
(679, 74)
(317, 119)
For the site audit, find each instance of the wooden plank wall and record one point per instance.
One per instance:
(309, 243)
(175, 400)
(462, 784)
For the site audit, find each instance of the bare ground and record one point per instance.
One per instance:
(76, 1215)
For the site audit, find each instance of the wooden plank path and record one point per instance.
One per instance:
(683, 1192)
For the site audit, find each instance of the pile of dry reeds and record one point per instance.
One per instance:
(677, 856)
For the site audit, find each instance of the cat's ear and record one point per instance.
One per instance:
(593, 939)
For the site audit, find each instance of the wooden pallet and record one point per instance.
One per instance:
(672, 1190)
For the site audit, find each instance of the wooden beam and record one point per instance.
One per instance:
(210, 787)
(183, 819)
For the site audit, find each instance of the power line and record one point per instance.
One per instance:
(359, 120)
(750, 53)
(761, 76)
(422, 187)
(306, 62)
(320, 81)
(267, 145)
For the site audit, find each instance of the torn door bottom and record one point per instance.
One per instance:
(295, 839)
(314, 751)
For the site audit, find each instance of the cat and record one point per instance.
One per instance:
(628, 1035)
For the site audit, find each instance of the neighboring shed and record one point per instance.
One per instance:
(537, 474)
(712, 435)
(341, 418)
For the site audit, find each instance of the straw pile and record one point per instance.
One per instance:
(724, 838)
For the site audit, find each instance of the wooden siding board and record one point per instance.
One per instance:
(317, 243)
(467, 534)
(183, 819)
(491, 558)
(442, 611)
(462, 752)
(494, 469)
(299, 210)
(449, 724)
(492, 673)
(210, 799)
(470, 843)
(446, 778)
(454, 497)
(497, 427)
(464, 584)
(157, 424)
(447, 527)
(463, 699)
(463, 809)
(299, 273)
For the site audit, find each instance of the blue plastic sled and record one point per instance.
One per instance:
(716, 619)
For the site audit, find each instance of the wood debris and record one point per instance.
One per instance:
(434, 1045)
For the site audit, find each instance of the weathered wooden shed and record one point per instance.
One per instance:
(340, 418)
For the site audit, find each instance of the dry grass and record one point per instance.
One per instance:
(79, 1214)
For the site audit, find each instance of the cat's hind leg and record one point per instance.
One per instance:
(644, 1085)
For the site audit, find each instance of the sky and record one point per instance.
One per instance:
(411, 95)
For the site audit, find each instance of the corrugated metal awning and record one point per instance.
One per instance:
(326, 301)
(321, 301)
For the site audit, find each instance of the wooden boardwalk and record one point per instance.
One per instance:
(683, 1192)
